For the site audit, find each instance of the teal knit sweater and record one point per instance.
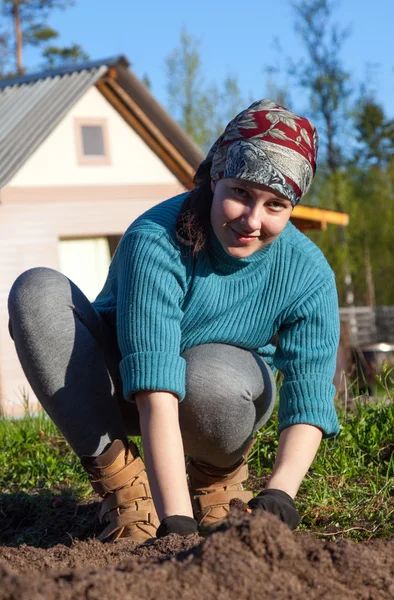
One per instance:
(166, 301)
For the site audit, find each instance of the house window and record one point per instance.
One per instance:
(92, 142)
(85, 261)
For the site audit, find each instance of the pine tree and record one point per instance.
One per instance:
(25, 24)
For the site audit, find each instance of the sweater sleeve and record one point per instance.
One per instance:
(306, 355)
(149, 294)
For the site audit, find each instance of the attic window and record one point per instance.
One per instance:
(92, 141)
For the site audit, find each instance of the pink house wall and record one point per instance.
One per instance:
(31, 222)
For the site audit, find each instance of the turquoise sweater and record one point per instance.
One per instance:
(166, 301)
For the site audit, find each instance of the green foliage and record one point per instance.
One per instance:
(367, 195)
(374, 134)
(185, 89)
(37, 34)
(202, 110)
(322, 74)
(27, 22)
(349, 489)
(29, 8)
(34, 456)
(57, 57)
(385, 382)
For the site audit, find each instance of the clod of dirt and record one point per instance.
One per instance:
(238, 504)
(247, 556)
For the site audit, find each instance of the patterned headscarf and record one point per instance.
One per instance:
(267, 144)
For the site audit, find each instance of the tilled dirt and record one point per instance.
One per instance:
(248, 556)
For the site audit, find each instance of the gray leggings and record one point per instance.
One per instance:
(70, 356)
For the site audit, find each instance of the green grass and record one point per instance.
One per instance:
(349, 489)
(44, 492)
(348, 492)
(34, 456)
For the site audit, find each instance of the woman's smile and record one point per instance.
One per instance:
(243, 238)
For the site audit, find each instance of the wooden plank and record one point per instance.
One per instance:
(304, 224)
(151, 135)
(311, 213)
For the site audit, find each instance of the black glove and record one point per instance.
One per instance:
(178, 524)
(278, 503)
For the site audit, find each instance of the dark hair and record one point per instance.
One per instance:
(193, 220)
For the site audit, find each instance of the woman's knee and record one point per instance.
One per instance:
(221, 373)
(34, 298)
(33, 287)
(230, 393)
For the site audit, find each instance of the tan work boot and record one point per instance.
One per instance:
(119, 476)
(212, 488)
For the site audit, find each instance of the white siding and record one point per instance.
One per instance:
(29, 237)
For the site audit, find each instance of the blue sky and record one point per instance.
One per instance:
(236, 38)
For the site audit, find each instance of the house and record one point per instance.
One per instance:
(84, 151)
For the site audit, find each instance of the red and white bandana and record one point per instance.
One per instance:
(267, 144)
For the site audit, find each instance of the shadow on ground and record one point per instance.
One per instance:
(246, 554)
(45, 519)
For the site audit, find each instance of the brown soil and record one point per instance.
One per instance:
(248, 556)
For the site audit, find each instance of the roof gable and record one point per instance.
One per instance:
(59, 160)
(32, 106)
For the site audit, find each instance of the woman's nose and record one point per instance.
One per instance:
(252, 218)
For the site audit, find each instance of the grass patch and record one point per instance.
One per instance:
(35, 457)
(348, 492)
(349, 489)
(45, 497)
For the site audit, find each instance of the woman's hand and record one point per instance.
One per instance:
(297, 448)
(177, 524)
(278, 503)
(163, 454)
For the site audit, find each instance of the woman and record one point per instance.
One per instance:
(176, 348)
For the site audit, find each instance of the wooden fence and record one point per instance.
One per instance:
(368, 324)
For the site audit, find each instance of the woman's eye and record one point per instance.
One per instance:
(241, 192)
(276, 205)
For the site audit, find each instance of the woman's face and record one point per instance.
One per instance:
(247, 216)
